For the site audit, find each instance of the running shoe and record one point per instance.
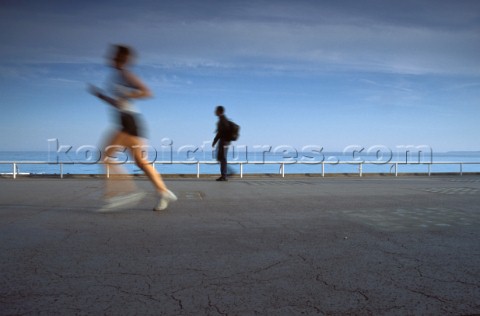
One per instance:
(165, 198)
(121, 201)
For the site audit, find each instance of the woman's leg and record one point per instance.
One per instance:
(118, 143)
(135, 144)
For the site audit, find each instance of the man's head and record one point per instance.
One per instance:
(220, 110)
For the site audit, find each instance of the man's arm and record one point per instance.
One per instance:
(223, 128)
(215, 140)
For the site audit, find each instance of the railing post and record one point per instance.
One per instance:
(461, 169)
(323, 169)
(429, 169)
(108, 170)
(61, 170)
(360, 169)
(241, 170)
(14, 170)
(283, 170)
(396, 169)
(198, 169)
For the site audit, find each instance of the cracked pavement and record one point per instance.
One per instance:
(309, 246)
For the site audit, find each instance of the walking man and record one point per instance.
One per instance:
(223, 139)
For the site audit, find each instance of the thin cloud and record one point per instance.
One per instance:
(406, 38)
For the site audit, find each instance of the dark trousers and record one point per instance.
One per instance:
(222, 151)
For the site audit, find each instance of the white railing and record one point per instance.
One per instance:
(394, 166)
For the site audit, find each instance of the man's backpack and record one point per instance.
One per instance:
(233, 132)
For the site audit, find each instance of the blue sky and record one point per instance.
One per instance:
(304, 72)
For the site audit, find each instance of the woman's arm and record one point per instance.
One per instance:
(140, 89)
(99, 94)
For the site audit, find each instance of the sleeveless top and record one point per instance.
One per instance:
(119, 87)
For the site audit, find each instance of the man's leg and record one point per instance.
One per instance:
(224, 162)
(222, 159)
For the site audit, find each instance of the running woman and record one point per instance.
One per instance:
(125, 86)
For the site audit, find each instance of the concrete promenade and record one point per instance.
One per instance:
(266, 246)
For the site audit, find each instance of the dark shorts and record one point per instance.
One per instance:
(131, 124)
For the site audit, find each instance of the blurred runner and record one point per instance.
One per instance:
(125, 86)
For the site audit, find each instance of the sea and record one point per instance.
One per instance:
(254, 162)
